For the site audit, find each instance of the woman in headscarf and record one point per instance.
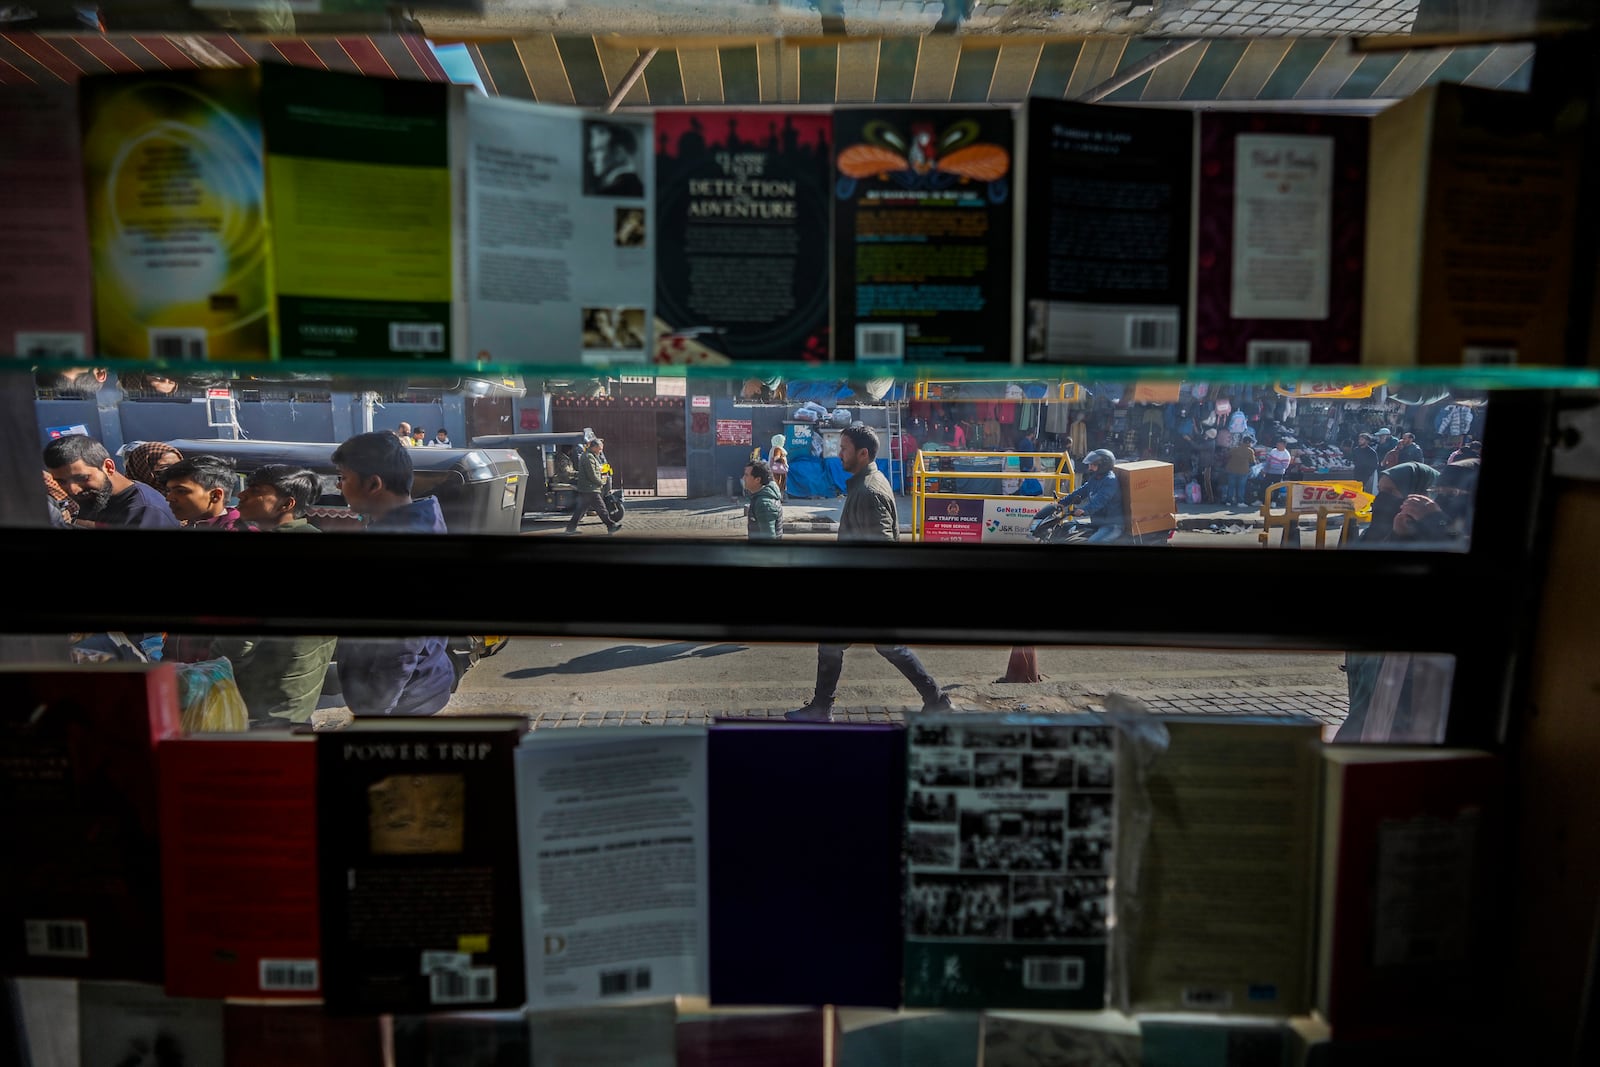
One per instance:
(1394, 485)
(148, 461)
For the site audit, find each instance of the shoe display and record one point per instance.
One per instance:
(812, 712)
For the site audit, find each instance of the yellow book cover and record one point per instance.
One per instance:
(176, 203)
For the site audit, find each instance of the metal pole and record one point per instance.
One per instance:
(1138, 70)
(629, 78)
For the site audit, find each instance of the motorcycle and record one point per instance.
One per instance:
(1056, 524)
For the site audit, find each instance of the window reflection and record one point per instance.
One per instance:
(1230, 463)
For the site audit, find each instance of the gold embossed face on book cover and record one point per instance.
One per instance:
(409, 814)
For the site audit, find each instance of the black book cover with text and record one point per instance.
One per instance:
(417, 858)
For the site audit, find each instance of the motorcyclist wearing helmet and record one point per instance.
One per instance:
(1100, 496)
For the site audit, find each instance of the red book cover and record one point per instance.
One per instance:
(302, 1035)
(770, 1038)
(1280, 249)
(82, 893)
(1410, 844)
(239, 865)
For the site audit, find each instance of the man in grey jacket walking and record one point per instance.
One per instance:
(869, 514)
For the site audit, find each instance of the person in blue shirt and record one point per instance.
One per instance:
(1100, 496)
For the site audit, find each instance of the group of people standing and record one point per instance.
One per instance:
(417, 437)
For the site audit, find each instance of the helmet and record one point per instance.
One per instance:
(1102, 458)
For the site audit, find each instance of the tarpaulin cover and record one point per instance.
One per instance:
(811, 479)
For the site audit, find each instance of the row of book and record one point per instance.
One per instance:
(258, 213)
(964, 862)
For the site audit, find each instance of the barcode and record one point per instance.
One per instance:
(473, 986)
(416, 337)
(1154, 336)
(63, 938)
(613, 983)
(881, 342)
(178, 344)
(1476, 356)
(1278, 353)
(289, 974)
(1207, 999)
(1059, 972)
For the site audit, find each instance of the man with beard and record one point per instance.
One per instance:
(104, 495)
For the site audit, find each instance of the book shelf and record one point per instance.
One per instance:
(655, 588)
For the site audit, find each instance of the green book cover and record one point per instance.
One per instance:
(358, 182)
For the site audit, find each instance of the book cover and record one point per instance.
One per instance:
(417, 853)
(639, 1034)
(1408, 912)
(1026, 1039)
(82, 892)
(1216, 867)
(922, 238)
(560, 238)
(805, 822)
(743, 259)
(45, 304)
(1217, 1042)
(1281, 242)
(875, 1038)
(448, 1039)
(134, 1023)
(1106, 253)
(796, 1038)
(273, 1035)
(43, 1019)
(1009, 830)
(359, 192)
(613, 857)
(1474, 197)
(177, 214)
(239, 865)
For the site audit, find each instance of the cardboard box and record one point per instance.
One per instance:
(1146, 486)
(1473, 200)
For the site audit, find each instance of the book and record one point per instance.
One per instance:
(239, 865)
(559, 241)
(274, 1034)
(922, 234)
(444, 1039)
(1474, 200)
(877, 1038)
(1216, 865)
(1408, 913)
(46, 308)
(639, 1034)
(1028, 1038)
(43, 1020)
(1216, 1041)
(360, 196)
(805, 822)
(177, 214)
(135, 1022)
(743, 257)
(1280, 242)
(82, 892)
(1009, 832)
(772, 1038)
(417, 855)
(1106, 244)
(613, 855)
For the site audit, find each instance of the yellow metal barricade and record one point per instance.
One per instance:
(932, 483)
(1345, 499)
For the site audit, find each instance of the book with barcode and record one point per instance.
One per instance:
(173, 165)
(81, 895)
(613, 855)
(559, 234)
(417, 856)
(1474, 196)
(301, 1035)
(136, 1023)
(1106, 237)
(239, 865)
(1280, 246)
(360, 194)
(1411, 929)
(1009, 831)
(1228, 801)
(805, 822)
(45, 305)
(923, 210)
(743, 256)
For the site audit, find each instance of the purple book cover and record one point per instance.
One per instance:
(805, 863)
(1281, 242)
(779, 1039)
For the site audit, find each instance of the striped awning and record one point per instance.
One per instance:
(47, 57)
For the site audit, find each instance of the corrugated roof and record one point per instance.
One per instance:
(45, 57)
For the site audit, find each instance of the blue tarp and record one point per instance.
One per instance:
(813, 479)
(829, 394)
